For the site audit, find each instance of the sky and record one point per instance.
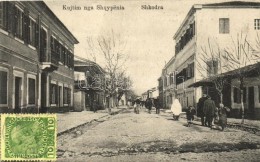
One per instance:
(148, 34)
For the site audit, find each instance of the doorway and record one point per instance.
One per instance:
(18, 94)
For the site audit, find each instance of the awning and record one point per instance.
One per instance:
(204, 82)
(247, 71)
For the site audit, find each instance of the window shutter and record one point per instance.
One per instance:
(26, 29)
(226, 25)
(221, 25)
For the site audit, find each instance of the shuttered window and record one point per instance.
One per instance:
(224, 25)
(257, 24)
(54, 94)
(32, 33)
(66, 95)
(236, 95)
(212, 67)
(19, 23)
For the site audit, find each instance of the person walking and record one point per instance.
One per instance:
(222, 113)
(190, 115)
(209, 110)
(149, 105)
(176, 109)
(200, 112)
(157, 105)
(137, 102)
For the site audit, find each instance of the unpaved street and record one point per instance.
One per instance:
(151, 137)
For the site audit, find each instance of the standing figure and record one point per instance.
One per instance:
(157, 105)
(149, 104)
(190, 115)
(222, 112)
(137, 103)
(209, 110)
(200, 112)
(176, 109)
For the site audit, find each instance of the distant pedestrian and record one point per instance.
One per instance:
(222, 113)
(149, 104)
(190, 114)
(137, 103)
(176, 109)
(157, 105)
(209, 109)
(200, 112)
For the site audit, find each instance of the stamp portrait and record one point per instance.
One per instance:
(28, 137)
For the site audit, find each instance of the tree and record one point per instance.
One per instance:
(111, 48)
(210, 62)
(238, 55)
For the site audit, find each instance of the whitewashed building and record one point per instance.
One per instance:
(210, 27)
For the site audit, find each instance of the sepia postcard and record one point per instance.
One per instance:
(130, 80)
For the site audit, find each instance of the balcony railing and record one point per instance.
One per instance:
(55, 57)
(49, 56)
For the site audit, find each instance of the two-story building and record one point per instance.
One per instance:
(36, 59)
(89, 85)
(211, 27)
(208, 28)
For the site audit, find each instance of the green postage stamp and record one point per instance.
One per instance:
(28, 137)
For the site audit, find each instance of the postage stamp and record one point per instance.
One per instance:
(28, 137)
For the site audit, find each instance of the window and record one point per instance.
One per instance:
(32, 33)
(212, 67)
(165, 81)
(259, 93)
(54, 94)
(236, 95)
(3, 87)
(171, 78)
(31, 91)
(190, 70)
(257, 24)
(19, 23)
(1, 14)
(224, 25)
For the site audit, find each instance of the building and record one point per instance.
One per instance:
(89, 79)
(36, 59)
(167, 86)
(210, 27)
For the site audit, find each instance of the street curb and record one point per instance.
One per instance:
(89, 122)
(243, 127)
(247, 128)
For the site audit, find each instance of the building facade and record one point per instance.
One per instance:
(89, 79)
(36, 59)
(207, 28)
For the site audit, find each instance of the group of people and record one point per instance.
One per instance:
(149, 103)
(209, 112)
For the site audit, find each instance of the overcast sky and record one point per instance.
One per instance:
(148, 33)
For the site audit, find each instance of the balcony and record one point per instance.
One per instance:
(49, 60)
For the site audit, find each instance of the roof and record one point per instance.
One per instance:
(234, 4)
(247, 71)
(54, 17)
(230, 4)
(87, 65)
